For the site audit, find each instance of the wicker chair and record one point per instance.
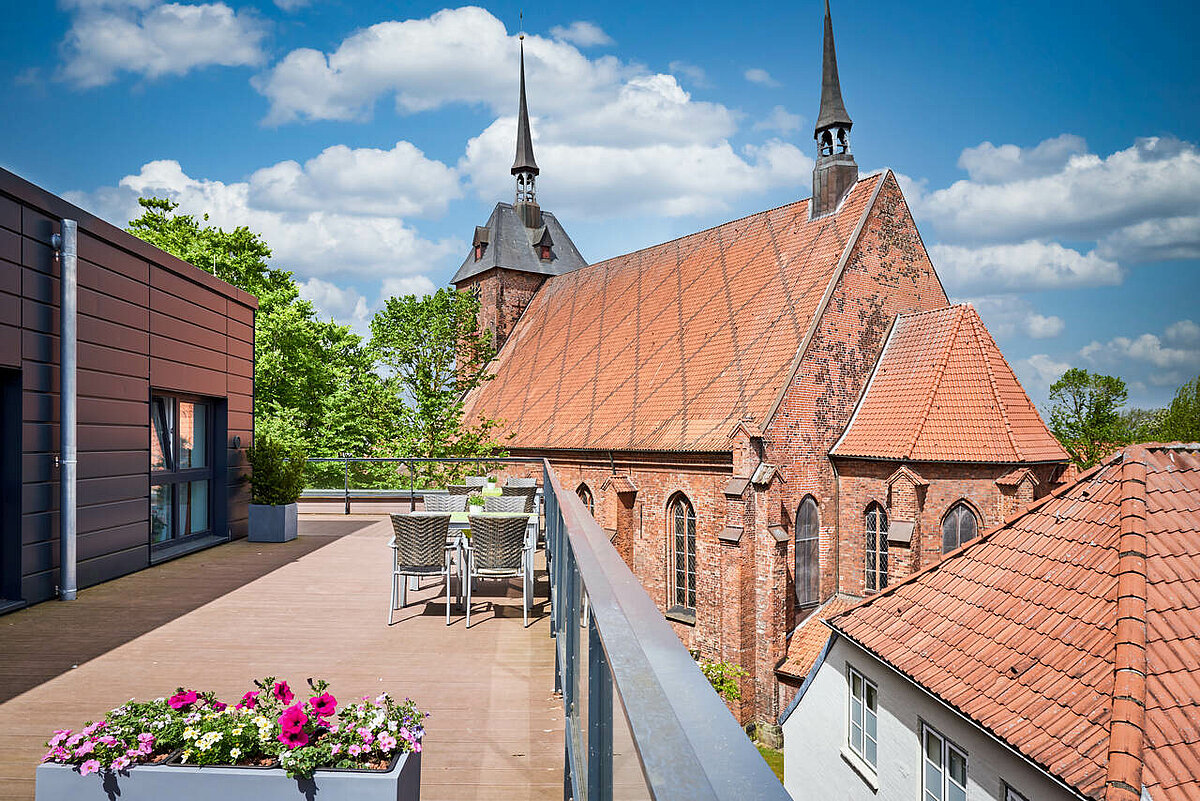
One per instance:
(419, 549)
(498, 550)
(437, 502)
(475, 482)
(528, 493)
(521, 482)
(510, 504)
(458, 489)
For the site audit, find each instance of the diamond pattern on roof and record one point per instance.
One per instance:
(942, 391)
(667, 348)
(1019, 629)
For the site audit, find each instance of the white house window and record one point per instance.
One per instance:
(945, 774)
(180, 469)
(864, 718)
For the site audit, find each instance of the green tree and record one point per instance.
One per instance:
(1085, 415)
(433, 349)
(1181, 420)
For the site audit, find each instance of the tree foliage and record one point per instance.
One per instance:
(1085, 415)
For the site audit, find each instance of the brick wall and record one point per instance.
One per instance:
(503, 296)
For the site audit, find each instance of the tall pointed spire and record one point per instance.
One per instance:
(524, 166)
(836, 171)
(833, 110)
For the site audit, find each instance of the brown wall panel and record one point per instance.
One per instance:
(241, 350)
(186, 353)
(10, 346)
(38, 527)
(39, 437)
(39, 316)
(186, 331)
(169, 375)
(113, 335)
(95, 384)
(242, 367)
(113, 438)
(111, 411)
(10, 278)
(38, 346)
(37, 467)
(182, 288)
(241, 385)
(97, 464)
(36, 254)
(237, 401)
(241, 421)
(39, 408)
(10, 245)
(37, 225)
(38, 557)
(10, 214)
(10, 309)
(39, 286)
(112, 283)
(97, 251)
(97, 543)
(39, 497)
(240, 331)
(109, 566)
(172, 306)
(98, 357)
(115, 310)
(243, 314)
(111, 489)
(111, 515)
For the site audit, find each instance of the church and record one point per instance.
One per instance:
(772, 418)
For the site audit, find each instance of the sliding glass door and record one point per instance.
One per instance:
(181, 471)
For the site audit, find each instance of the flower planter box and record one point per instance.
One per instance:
(189, 783)
(273, 523)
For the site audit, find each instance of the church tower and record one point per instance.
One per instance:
(835, 172)
(520, 246)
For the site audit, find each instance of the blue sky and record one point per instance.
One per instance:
(1049, 151)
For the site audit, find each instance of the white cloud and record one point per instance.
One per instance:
(1162, 364)
(989, 164)
(152, 39)
(582, 33)
(292, 5)
(1025, 266)
(1184, 334)
(780, 120)
(418, 285)
(1086, 198)
(344, 304)
(1038, 372)
(694, 74)
(1165, 239)
(400, 181)
(759, 76)
(334, 240)
(1006, 315)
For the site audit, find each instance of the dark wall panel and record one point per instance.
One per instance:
(147, 322)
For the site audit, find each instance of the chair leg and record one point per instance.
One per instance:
(525, 596)
(404, 593)
(392, 606)
(447, 592)
(468, 595)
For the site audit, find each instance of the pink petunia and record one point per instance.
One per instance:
(417, 746)
(366, 734)
(134, 752)
(107, 740)
(324, 705)
(182, 700)
(386, 742)
(293, 718)
(283, 693)
(59, 736)
(73, 740)
(354, 750)
(220, 706)
(336, 749)
(249, 700)
(120, 763)
(91, 766)
(293, 739)
(88, 747)
(88, 731)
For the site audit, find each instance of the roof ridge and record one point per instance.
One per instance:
(1126, 734)
(976, 324)
(937, 384)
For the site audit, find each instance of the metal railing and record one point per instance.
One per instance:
(619, 665)
(688, 744)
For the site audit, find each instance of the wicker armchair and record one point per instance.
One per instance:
(521, 482)
(419, 549)
(459, 489)
(498, 550)
(437, 502)
(475, 482)
(528, 493)
(510, 504)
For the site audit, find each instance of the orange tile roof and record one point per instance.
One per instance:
(1022, 630)
(668, 348)
(806, 642)
(942, 392)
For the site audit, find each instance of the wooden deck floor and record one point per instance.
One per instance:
(316, 606)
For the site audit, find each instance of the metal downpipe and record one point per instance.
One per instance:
(68, 396)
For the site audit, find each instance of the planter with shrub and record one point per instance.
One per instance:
(276, 480)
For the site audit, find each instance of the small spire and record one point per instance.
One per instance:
(524, 162)
(833, 110)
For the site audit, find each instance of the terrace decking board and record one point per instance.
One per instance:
(311, 607)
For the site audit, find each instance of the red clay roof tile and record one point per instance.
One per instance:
(806, 642)
(1071, 705)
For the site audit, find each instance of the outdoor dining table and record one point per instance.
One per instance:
(460, 523)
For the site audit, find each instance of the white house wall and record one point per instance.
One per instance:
(815, 737)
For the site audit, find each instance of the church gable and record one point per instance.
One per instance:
(668, 348)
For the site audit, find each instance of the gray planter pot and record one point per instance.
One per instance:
(187, 783)
(272, 523)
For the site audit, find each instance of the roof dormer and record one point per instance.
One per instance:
(483, 236)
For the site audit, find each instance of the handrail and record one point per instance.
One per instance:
(689, 745)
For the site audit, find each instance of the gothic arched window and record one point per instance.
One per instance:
(958, 527)
(877, 548)
(681, 523)
(808, 562)
(585, 495)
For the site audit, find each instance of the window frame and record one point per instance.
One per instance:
(946, 750)
(955, 514)
(681, 595)
(870, 691)
(584, 493)
(875, 562)
(808, 545)
(177, 479)
(1010, 793)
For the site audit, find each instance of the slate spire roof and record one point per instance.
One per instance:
(1072, 632)
(524, 161)
(833, 110)
(943, 392)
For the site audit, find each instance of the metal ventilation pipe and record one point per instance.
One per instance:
(68, 399)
